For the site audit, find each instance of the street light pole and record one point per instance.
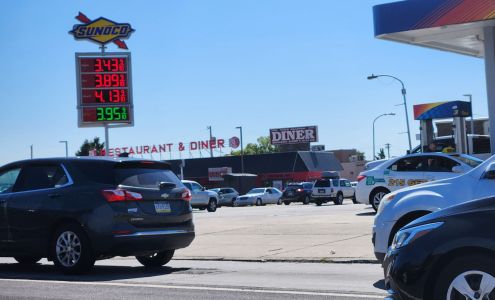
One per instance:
(389, 114)
(242, 150)
(66, 147)
(211, 150)
(471, 104)
(373, 76)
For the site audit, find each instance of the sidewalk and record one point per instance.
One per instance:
(304, 233)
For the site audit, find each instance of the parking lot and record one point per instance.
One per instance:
(284, 233)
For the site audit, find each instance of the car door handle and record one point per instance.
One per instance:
(53, 196)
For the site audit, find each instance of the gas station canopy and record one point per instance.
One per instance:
(449, 25)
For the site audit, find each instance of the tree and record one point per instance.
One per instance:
(263, 146)
(381, 154)
(91, 145)
(360, 156)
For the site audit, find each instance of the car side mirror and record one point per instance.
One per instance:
(490, 172)
(203, 189)
(457, 169)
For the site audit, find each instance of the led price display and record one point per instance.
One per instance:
(104, 88)
(106, 114)
(104, 96)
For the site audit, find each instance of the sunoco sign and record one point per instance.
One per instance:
(296, 135)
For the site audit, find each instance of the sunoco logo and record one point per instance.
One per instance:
(101, 31)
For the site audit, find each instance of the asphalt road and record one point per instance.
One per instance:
(126, 279)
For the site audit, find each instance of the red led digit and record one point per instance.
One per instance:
(99, 96)
(121, 65)
(98, 66)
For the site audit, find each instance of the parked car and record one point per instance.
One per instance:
(449, 254)
(260, 196)
(409, 170)
(403, 206)
(74, 211)
(331, 188)
(226, 195)
(202, 198)
(298, 192)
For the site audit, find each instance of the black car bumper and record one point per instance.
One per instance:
(141, 243)
(406, 275)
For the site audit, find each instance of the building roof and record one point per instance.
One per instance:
(286, 162)
(450, 25)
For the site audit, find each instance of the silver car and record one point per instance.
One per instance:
(226, 196)
(260, 196)
(201, 198)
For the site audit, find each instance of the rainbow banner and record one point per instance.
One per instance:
(442, 110)
(420, 14)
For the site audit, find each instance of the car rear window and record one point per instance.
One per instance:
(147, 178)
(294, 186)
(322, 183)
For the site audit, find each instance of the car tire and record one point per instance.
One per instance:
(156, 259)
(306, 200)
(354, 200)
(287, 202)
(318, 202)
(27, 260)
(212, 205)
(455, 273)
(259, 202)
(71, 250)
(339, 200)
(232, 203)
(279, 202)
(376, 197)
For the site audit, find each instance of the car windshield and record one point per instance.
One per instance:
(256, 191)
(215, 190)
(471, 161)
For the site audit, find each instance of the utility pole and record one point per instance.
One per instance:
(31, 151)
(242, 150)
(211, 137)
(387, 145)
(66, 147)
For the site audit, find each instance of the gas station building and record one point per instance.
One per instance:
(460, 26)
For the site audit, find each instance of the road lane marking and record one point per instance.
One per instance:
(197, 288)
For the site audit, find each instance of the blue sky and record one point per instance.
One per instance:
(259, 64)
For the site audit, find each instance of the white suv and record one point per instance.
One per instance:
(331, 189)
(201, 198)
(409, 170)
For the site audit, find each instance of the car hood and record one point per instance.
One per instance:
(469, 206)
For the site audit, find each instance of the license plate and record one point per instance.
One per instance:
(162, 207)
(321, 191)
(290, 194)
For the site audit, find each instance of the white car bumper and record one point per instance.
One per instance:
(381, 234)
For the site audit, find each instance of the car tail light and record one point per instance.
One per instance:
(121, 195)
(186, 195)
(361, 177)
(299, 190)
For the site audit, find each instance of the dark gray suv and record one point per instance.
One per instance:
(74, 211)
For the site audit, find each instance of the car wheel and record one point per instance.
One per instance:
(156, 260)
(354, 200)
(71, 251)
(377, 196)
(467, 277)
(27, 260)
(318, 202)
(306, 200)
(339, 200)
(279, 202)
(287, 202)
(232, 203)
(212, 205)
(259, 202)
